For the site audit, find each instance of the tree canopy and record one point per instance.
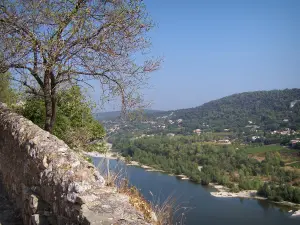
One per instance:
(48, 44)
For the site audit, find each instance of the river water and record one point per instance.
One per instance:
(198, 206)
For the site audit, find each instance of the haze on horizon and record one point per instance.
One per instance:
(214, 48)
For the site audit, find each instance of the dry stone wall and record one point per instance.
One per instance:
(51, 184)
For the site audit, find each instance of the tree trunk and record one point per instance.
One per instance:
(50, 102)
(53, 101)
(53, 113)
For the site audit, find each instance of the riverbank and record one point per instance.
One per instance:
(223, 192)
(296, 213)
(151, 169)
(110, 155)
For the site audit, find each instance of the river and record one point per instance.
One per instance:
(201, 207)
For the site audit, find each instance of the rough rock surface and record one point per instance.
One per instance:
(51, 184)
(8, 214)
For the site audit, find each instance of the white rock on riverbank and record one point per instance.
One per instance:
(108, 155)
(241, 194)
(225, 193)
(296, 213)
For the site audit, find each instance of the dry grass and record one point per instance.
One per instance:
(164, 210)
(117, 177)
(157, 212)
(169, 211)
(137, 200)
(114, 177)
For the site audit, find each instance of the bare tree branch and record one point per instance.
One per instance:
(32, 90)
(61, 43)
(32, 71)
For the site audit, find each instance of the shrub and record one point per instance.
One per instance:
(279, 193)
(205, 180)
(235, 189)
(74, 122)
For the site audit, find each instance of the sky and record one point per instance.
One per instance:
(214, 48)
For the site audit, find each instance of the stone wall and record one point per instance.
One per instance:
(51, 184)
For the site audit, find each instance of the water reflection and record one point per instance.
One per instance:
(241, 200)
(264, 204)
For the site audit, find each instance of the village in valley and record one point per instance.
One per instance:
(164, 125)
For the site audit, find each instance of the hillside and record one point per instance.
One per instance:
(268, 109)
(116, 114)
(248, 111)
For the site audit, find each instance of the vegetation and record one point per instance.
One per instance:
(222, 164)
(263, 148)
(296, 165)
(266, 109)
(280, 192)
(75, 123)
(249, 113)
(84, 40)
(7, 94)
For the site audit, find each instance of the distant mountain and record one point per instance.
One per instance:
(116, 114)
(270, 109)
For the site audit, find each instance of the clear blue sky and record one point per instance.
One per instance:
(215, 48)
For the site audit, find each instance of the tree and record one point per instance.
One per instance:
(7, 95)
(75, 123)
(48, 44)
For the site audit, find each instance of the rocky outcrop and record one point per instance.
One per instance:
(51, 184)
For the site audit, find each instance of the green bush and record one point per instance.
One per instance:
(74, 121)
(276, 198)
(234, 189)
(283, 192)
(250, 184)
(7, 94)
(205, 179)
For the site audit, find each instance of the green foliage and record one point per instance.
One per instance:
(7, 94)
(266, 109)
(282, 192)
(296, 165)
(249, 184)
(297, 146)
(264, 148)
(89, 159)
(96, 147)
(34, 110)
(234, 188)
(75, 123)
(224, 165)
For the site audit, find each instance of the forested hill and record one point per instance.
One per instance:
(268, 109)
(116, 114)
